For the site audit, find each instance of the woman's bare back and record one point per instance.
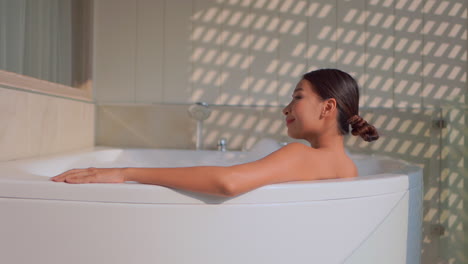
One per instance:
(328, 164)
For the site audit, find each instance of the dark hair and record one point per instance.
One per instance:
(333, 83)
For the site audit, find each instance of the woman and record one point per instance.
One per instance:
(324, 103)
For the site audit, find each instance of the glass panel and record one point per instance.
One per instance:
(453, 164)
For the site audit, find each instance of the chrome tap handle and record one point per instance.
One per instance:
(222, 144)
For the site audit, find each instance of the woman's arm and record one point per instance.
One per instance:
(205, 179)
(289, 163)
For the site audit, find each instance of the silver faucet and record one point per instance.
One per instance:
(199, 111)
(222, 142)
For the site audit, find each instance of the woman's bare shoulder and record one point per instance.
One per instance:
(296, 146)
(322, 163)
(297, 151)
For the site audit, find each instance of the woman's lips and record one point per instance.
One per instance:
(289, 121)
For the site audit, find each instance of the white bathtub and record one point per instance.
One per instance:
(374, 218)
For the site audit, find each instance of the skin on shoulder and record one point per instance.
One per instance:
(293, 162)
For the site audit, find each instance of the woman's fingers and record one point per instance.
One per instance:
(61, 177)
(91, 175)
(75, 176)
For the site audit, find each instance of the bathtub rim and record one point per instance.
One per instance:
(40, 187)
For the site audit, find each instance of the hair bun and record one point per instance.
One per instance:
(363, 129)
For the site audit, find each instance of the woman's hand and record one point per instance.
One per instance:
(91, 175)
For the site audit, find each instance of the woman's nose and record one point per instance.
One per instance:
(286, 110)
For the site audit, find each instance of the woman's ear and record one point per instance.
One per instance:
(329, 107)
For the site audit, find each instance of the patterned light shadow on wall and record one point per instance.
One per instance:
(236, 51)
(234, 35)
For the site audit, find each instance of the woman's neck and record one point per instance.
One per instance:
(329, 140)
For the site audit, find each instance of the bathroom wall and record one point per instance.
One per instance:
(154, 58)
(40, 61)
(404, 53)
(35, 124)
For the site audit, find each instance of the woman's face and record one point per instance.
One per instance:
(304, 112)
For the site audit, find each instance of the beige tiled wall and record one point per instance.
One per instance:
(169, 126)
(144, 126)
(33, 124)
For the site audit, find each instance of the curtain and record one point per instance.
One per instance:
(36, 39)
